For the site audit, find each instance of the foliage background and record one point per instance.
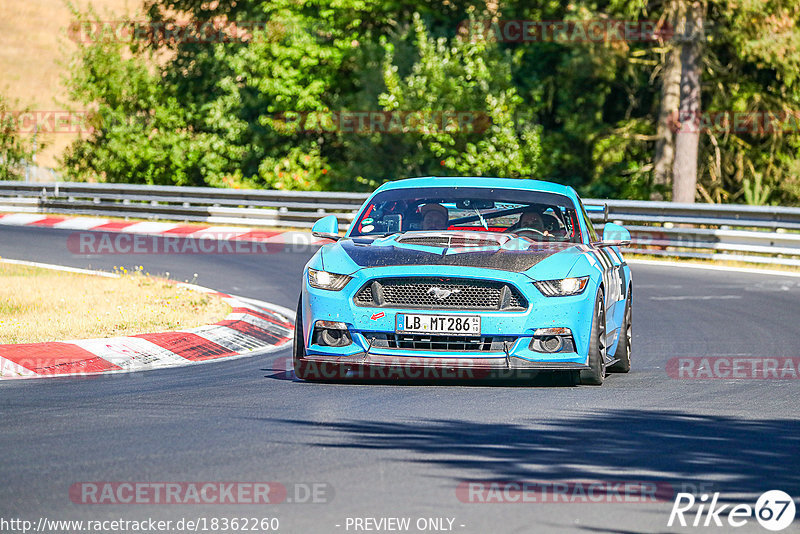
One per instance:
(584, 114)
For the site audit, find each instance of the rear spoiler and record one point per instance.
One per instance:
(596, 210)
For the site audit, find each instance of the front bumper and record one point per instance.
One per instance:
(365, 366)
(574, 312)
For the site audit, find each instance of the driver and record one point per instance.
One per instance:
(434, 217)
(530, 218)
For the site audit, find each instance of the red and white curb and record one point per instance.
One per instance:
(162, 229)
(252, 328)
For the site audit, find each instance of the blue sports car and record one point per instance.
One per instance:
(449, 278)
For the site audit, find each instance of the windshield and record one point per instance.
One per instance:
(536, 215)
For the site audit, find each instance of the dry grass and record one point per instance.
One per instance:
(43, 305)
(33, 49)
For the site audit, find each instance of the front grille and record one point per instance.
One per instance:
(432, 293)
(445, 343)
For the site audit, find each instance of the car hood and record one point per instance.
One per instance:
(503, 252)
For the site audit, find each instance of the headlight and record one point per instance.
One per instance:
(563, 287)
(326, 280)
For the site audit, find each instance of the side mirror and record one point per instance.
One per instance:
(614, 235)
(327, 228)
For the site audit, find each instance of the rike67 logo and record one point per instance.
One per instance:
(774, 510)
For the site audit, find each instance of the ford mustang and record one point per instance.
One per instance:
(441, 278)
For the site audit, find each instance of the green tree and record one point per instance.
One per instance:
(15, 150)
(595, 115)
(476, 76)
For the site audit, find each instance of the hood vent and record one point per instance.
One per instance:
(451, 240)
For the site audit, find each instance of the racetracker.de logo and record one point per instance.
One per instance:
(403, 368)
(565, 31)
(756, 123)
(174, 32)
(210, 492)
(46, 122)
(572, 492)
(221, 242)
(382, 122)
(734, 367)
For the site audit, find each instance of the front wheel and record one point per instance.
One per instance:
(623, 354)
(596, 374)
(299, 346)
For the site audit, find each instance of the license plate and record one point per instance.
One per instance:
(466, 325)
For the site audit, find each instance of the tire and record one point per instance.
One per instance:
(623, 354)
(298, 347)
(597, 349)
(567, 378)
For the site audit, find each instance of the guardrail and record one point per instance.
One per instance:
(754, 234)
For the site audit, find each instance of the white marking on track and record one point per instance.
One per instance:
(712, 267)
(294, 238)
(81, 223)
(9, 369)
(59, 268)
(131, 353)
(219, 232)
(261, 323)
(698, 297)
(14, 219)
(268, 306)
(149, 227)
(227, 337)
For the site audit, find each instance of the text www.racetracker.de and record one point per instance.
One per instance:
(199, 524)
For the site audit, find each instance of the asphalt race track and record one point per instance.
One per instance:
(402, 450)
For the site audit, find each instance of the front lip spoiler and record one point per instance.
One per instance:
(380, 367)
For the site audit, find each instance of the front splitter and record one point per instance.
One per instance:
(364, 366)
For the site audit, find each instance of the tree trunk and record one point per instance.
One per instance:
(668, 107)
(687, 138)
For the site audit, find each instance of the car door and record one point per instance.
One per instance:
(611, 262)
